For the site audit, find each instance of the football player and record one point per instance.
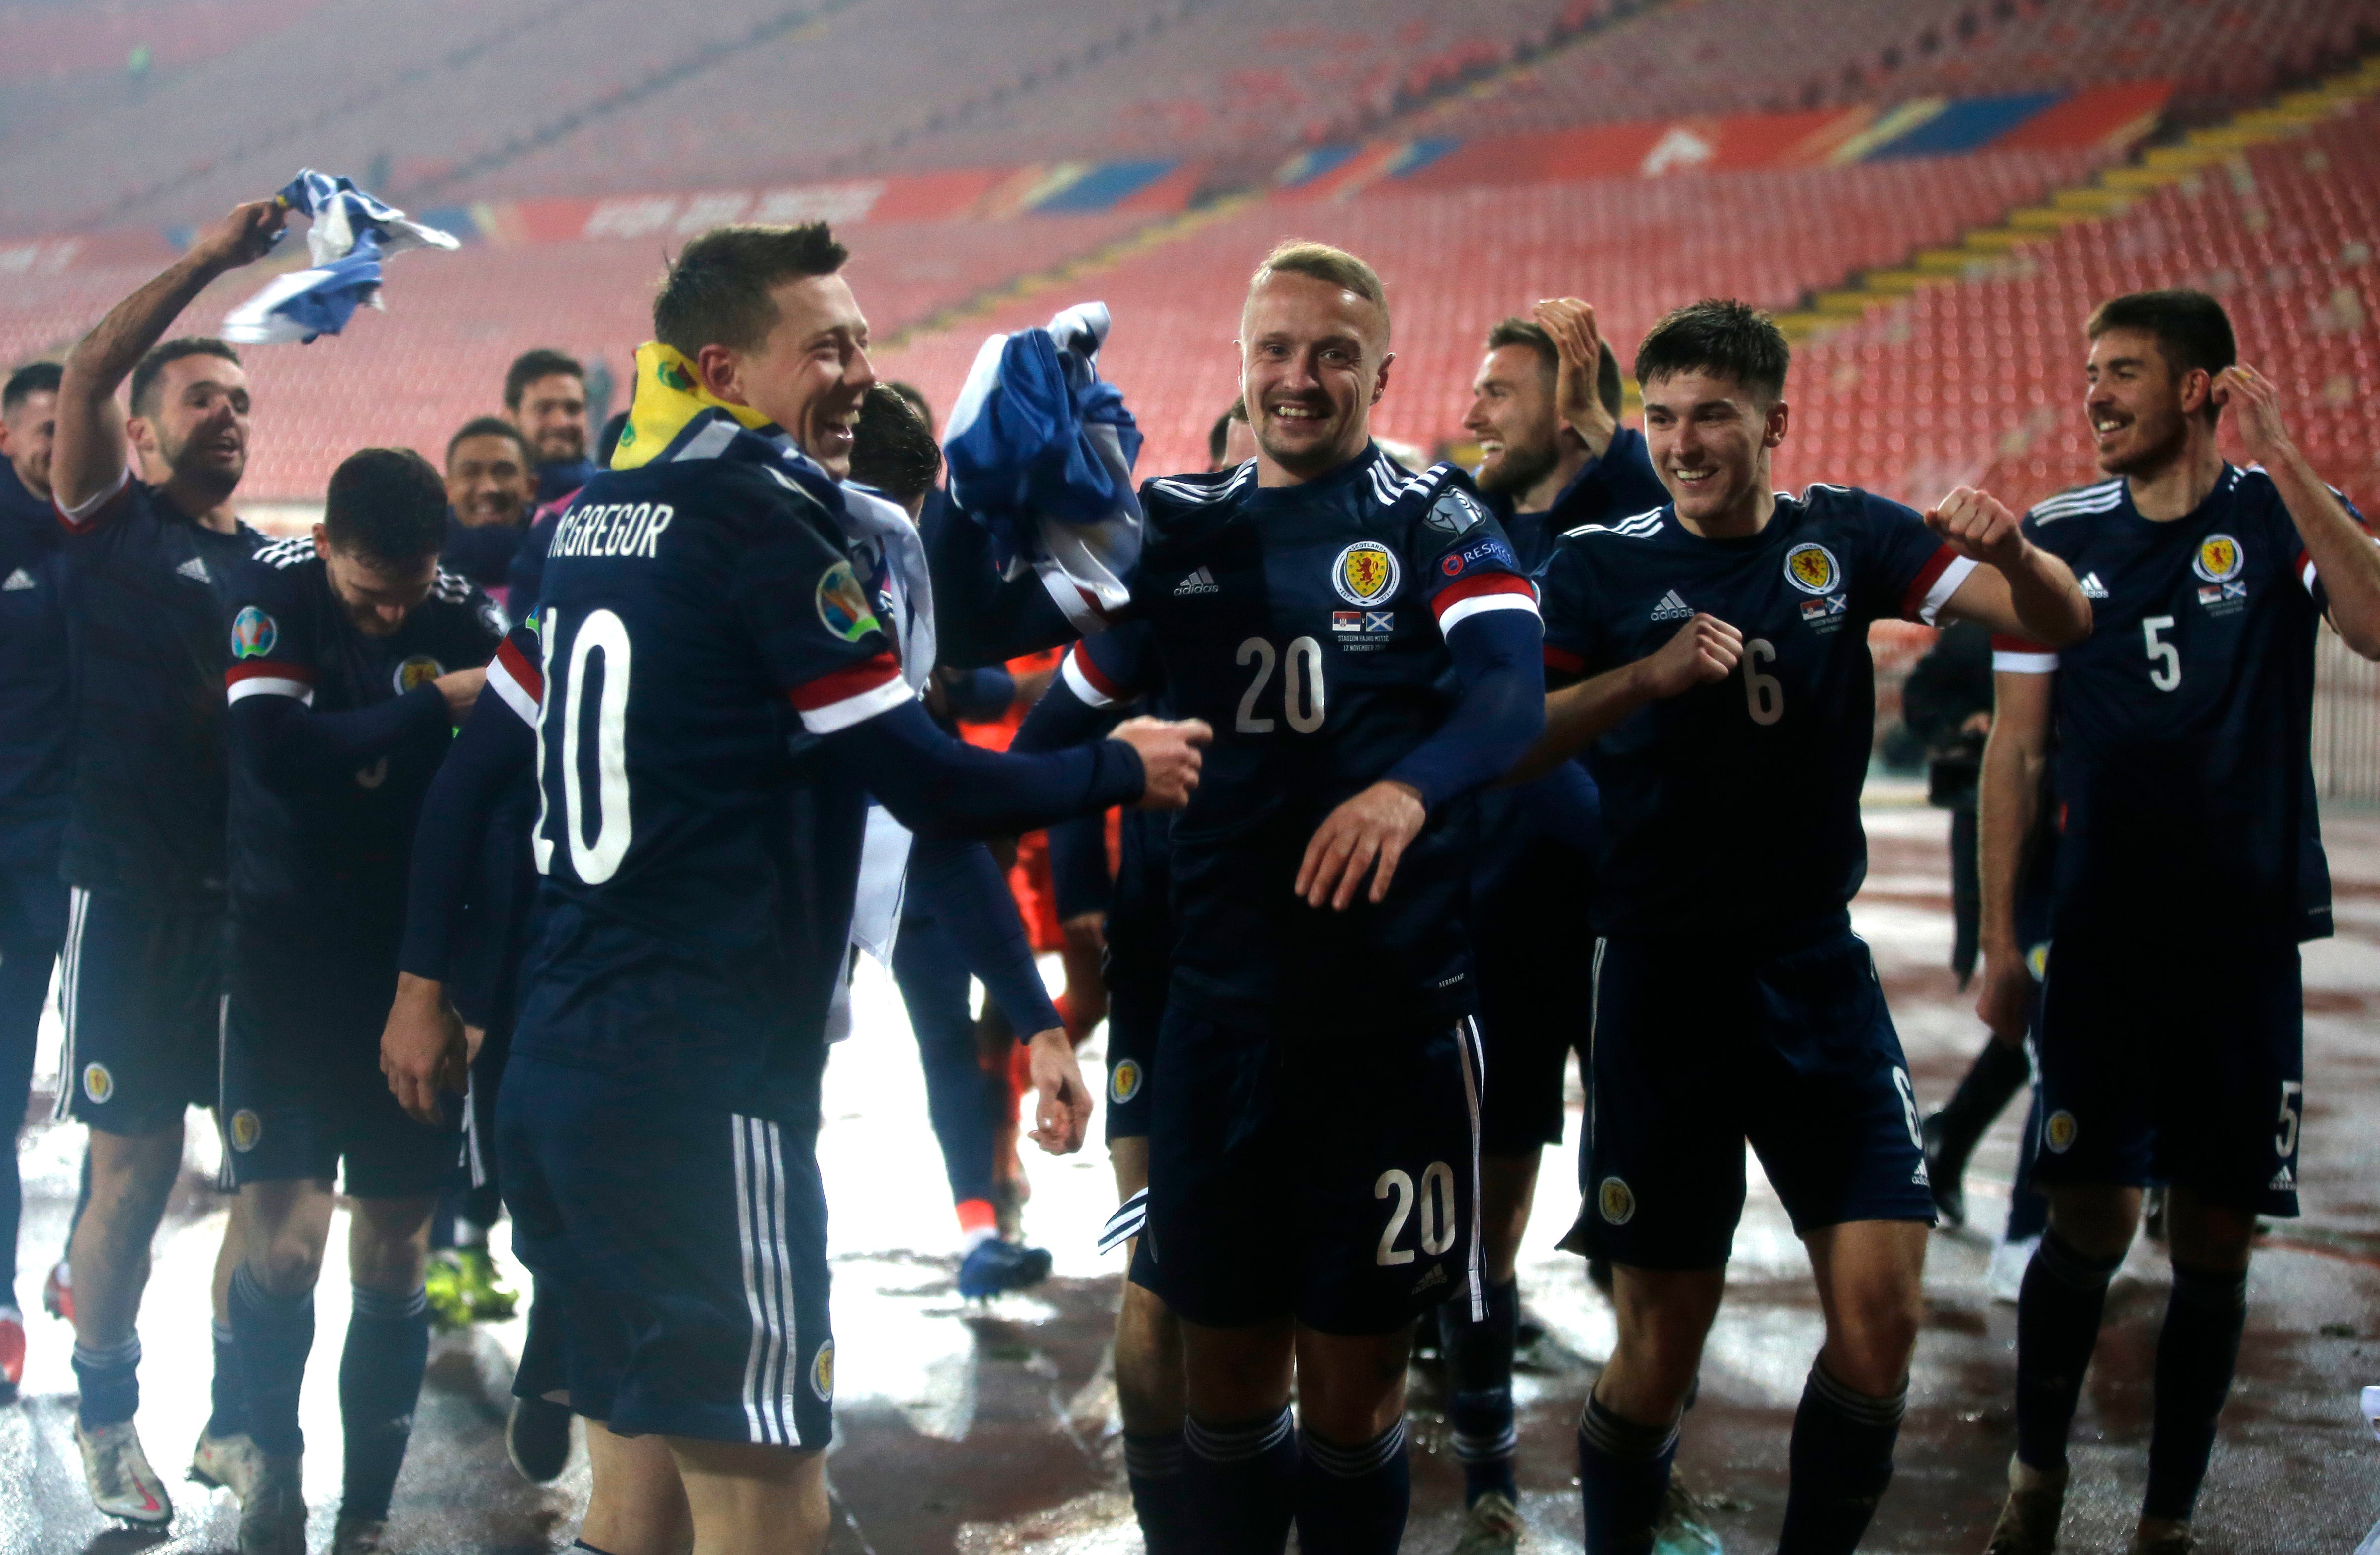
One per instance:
(2176, 742)
(1713, 654)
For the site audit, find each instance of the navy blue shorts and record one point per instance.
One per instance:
(1329, 1177)
(302, 1087)
(1694, 1052)
(1531, 946)
(681, 1249)
(2148, 1076)
(1137, 969)
(141, 990)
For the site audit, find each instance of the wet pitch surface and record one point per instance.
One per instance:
(970, 1427)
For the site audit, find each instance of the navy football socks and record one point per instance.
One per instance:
(1479, 1364)
(2196, 1354)
(1152, 1462)
(2058, 1313)
(1623, 1478)
(230, 1391)
(110, 1384)
(1239, 1485)
(380, 1379)
(1841, 1460)
(274, 1335)
(1352, 1500)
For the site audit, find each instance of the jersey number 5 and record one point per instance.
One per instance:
(601, 638)
(1304, 666)
(2164, 657)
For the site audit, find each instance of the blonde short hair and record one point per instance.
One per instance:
(1297, 256)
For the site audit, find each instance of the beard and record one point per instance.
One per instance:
(2155, 453)
(185, 464)
(1521, 466)
(561, 446)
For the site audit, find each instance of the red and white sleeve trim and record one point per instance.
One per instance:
(263, 677)
(517, 683)
(1088, 682)
(84, 515)
(1935, 583)
(1476, 596)
(851, 695)
(1563, 659)
(2016, 656)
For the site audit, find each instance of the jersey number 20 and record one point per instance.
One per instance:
(1436, 1203)
(1301, 686)
(601, 638)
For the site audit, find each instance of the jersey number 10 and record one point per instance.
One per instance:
(603, 638)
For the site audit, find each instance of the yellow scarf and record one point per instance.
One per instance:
(666, 396)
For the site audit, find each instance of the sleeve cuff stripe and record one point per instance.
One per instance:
(521, 668)
(1454, 615)
(267, 685)
(1937, 583)
(268, 668)
(86, 513)
(2015, 661)
(510, 691)
(1079, 678)
(2305, 571)
(1563, 659)
(1484, 583)
(857, 707)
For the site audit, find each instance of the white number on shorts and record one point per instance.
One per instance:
(601, 633)
(1763, 694)
(1438, 1224)
(1303, 703)
(1909, 1106)
(1437, 1208)
(2285, 1143)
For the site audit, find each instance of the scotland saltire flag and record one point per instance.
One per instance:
(1041, 453)
(352, 236)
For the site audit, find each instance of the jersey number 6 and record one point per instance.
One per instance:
(1305, 719)
(604, 636)
(1763, 694)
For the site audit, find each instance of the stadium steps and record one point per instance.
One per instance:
(2109, 193)
(1156, 235)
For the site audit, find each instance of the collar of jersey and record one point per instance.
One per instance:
(1321, 485)
(669, 400)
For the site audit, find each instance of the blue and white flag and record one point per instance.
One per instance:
(1042, 451)
(353, 234)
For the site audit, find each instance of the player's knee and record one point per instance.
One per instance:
(286, 1264)
(2097, 1221)
(1873, 1335)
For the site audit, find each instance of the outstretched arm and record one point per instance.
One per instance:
(2019, 589)
(90, 451)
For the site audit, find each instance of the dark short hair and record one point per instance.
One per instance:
(1517, 331)
(33, 378)
(1717, 336)
(487, 426)
(386, 505)
(916, 399)
(2190, 329)
(152, 366)
(717, 293)
(891, 448)
(1219, 436)
(530, 366)
(608, 442)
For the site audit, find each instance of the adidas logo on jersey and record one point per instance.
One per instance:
(194, 570)
(1672, 608)
(2091, 587)
(17, 582)
(2284, 1181)
(1200, 582)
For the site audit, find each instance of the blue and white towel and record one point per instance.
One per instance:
(1041, 453)
(354, 233)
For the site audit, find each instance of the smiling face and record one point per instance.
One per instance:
(26, 436)
(488, 482)
(552, 416)
(811, 373)
(2140, 408)
(1314, 360)
(197, 430)
(1514, 419)
(1709, 438)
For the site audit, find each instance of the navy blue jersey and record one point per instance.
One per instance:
(699, 867)
(1744, 793)
(1618, 483)
(2181, 771)
(1306, 624)
(145, 638)
(333, 844)
(36, 703)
